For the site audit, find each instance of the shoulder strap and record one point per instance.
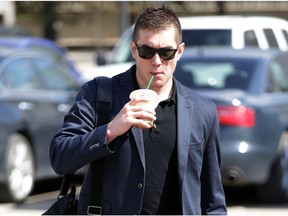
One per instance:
(65, 185)
(103, 108)
(104, 99)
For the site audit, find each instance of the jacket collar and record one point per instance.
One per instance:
(125, 85)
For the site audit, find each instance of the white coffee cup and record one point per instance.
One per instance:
(150, 97)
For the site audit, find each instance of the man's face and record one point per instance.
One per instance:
(162, 69)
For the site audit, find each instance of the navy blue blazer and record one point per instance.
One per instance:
(80, 142)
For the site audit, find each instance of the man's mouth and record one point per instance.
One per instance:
(156, 73)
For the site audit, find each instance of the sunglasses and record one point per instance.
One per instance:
(147, 52)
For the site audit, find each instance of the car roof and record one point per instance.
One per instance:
(231, 22)
(25, 51)
(35, 42)
(40, 44)
(227, 52)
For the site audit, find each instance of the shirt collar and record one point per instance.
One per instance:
(172, 98)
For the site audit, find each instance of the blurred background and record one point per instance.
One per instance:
(98, 24)
(91, 26)
(64, 40)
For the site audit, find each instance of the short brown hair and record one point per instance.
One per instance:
(157, 19)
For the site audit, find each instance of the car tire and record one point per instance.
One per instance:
(19, 170)
(273, 190)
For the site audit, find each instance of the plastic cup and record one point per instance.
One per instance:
(150, 97)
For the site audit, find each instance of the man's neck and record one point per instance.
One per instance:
(165, 92)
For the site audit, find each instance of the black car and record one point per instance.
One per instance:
(36, 90)
(250, 90)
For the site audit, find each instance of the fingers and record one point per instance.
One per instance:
(136, 101)
(144, 103)
(138, 115)
(131, 114)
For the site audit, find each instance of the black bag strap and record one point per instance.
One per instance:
(103, 108)
(104, 99)
(65, 185)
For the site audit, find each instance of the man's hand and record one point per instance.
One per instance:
(131, 114)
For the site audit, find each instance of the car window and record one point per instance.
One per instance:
(20, 74)
(54, 76)
(199, 74)
(250, 38)
(199, 37)
(285, 33)
(121, 52)
(35, 73)
(278, 77)
(270, 37)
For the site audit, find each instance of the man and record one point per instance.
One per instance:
(171, 168)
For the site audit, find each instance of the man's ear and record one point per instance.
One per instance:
(133, 49)
(180, 50)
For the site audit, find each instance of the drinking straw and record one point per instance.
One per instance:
(150, 81)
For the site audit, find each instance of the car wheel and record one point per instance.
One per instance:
(273, 190)
(19, 167)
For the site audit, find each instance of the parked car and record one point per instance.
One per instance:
(250, 89)
(41, 44)
(36, 91)
(237, 32)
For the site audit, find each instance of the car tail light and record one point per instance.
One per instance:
(240, 116)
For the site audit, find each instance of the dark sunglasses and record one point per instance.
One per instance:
(147, 52)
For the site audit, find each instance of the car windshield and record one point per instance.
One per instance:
(215, 73)
(200, 37)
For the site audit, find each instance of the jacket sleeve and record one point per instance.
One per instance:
(79, 141)
(213, 198)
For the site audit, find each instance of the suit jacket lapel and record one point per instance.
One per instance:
(124, 87)
(138, 136)
(184, 119)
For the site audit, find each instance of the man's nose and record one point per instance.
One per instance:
(157, 59)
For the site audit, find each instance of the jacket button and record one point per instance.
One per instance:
(140, 186)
